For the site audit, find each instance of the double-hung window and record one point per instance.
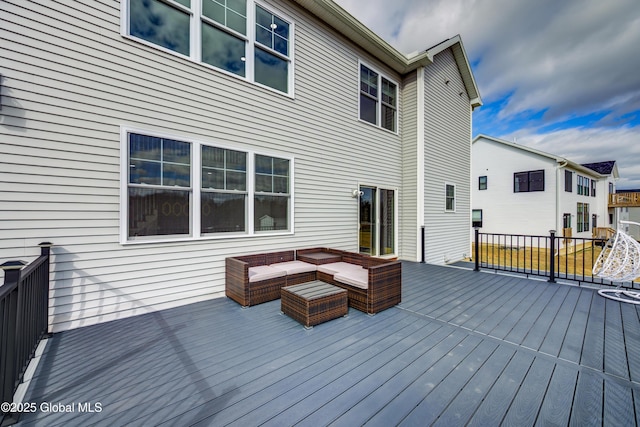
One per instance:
(224, 190)
(586, 186)
(159, 187)
(450, 198)
(482, 182)
(378, 99)
(239, 37)
(188, 189)
(272, 197)
(583, 217)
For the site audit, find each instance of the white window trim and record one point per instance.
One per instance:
(455, 204)
(196, 41)
(378, 123)
(196, 184)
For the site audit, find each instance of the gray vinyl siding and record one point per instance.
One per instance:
(409, 200)
(447, 161)
(70, 81)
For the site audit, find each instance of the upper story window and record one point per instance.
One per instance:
(482, 182)
(593, 188)
(238, 37)
(568, 181)
(450, 197)
(378, 99)
(528, 181)
(584, 186)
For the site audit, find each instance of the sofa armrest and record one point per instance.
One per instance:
(385, 286)
(237, 280)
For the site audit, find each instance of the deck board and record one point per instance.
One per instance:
(462, 348)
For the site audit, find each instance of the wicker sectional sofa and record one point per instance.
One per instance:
(373, 284)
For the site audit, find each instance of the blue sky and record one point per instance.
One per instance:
(559, 76)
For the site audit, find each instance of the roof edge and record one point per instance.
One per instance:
(354, 30)
(558, 159)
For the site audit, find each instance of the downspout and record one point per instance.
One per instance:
(558, 189)
(420, 184)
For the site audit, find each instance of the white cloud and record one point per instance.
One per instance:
(569, 58)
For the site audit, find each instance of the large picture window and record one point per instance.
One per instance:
(524, 182)
(239, 37)
(378, 99)
(162, 201)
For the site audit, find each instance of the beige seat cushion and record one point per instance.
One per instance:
(357, 278)
(338, 267)
(264, 272)
(294, 267)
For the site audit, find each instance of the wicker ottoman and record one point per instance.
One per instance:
(314, 302)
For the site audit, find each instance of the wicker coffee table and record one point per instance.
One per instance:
(314, 302)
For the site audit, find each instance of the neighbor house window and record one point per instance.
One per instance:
(239, 192)
(585, 186)
(450, 197)
(378, 99)
(593, 188)
(159, 186)
(528, 181)
(583, 217)
(482, 183)
(272, 194)
(239, 37)
(568, 181)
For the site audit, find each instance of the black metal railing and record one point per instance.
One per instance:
(551, 256)
(24, 304)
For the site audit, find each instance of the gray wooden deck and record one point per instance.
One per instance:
(462, 348)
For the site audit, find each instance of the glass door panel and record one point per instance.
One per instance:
(387, 222)
(367, 208)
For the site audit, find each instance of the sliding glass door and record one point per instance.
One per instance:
(367, 220)
(377, 221)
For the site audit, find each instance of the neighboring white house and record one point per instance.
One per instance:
(521, 190)
(150, 139)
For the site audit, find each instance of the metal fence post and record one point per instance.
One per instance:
(43, 319)
(10, 331)
(477, 245)
(552, 267)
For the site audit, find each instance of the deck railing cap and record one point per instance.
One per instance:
(13, 265)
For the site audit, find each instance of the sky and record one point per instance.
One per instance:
(561, 76)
